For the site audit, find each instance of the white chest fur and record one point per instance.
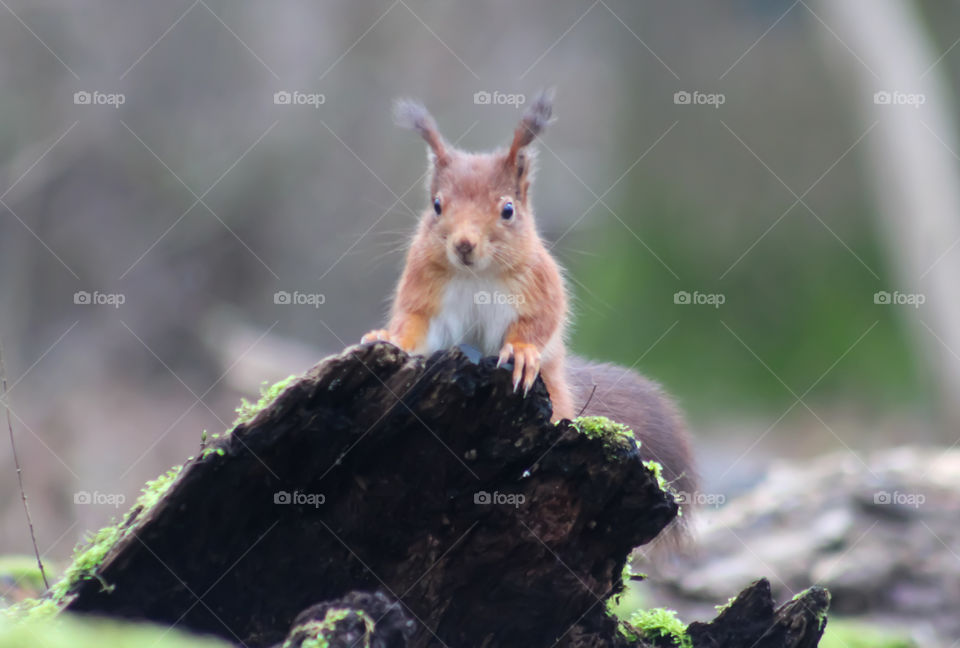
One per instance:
(474, 311)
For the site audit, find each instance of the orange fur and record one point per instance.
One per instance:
(471, 239)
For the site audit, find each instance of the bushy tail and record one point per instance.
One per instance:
(624, 396)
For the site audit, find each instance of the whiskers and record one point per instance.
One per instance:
(392, 243)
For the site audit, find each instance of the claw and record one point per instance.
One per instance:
(531, 367)
(518, 368)
(526, 364)
(505, 353)
(528, 383)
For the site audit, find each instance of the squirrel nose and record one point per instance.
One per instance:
(464, 248)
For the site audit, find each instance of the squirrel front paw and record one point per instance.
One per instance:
(378, 335)
(526, 363)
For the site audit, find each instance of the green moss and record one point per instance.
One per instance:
(153, 490)
(247, 410)
(822, 615)
(723, 608)
(856, 634)
(88, 555)
(660, 623)
(657, 469)
(616, 437)
(69, 631)
(28, 610)
(315, 634)
(86, 558)
(627, 632)
(600, 427)
(212, 451)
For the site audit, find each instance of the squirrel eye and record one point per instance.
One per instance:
(436, 206)
(507, 212)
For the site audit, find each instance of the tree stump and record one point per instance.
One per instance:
(423, 494)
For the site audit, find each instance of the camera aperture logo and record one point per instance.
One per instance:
(297, 98)
(515, 500)
(716, 500)
(897, 298)
(97, 298)
(896, 98)
(697, 298)
(697, 98)
(300, 499)
(896, 498)
(297, 298)
(97, 98)
(115, 500)
(495, 98)
(497, 298)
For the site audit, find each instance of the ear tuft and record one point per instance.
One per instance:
(534, 120)
(538, 115)
(411, 114)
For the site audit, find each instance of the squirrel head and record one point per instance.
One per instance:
(480, 216)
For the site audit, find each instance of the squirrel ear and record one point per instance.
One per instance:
(532, 124)
(525, 169)
(412, 115)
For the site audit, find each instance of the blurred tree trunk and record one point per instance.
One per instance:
(913, 166)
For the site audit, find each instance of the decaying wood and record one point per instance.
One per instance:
(420, 491)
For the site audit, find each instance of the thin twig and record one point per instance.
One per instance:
(589, 398)
(16, 462)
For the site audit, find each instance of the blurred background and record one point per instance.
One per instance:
(755, 202)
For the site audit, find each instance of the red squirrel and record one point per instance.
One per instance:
(478, 273)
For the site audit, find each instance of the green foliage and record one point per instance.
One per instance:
(843, 633)
(622, 605)
(33, 609)
(798, 299)
(247, 410)
(69, 631)
(22, 570)
(658, 624)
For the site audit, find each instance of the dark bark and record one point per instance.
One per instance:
(751, 620)
(401, 450)
(358, 619)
